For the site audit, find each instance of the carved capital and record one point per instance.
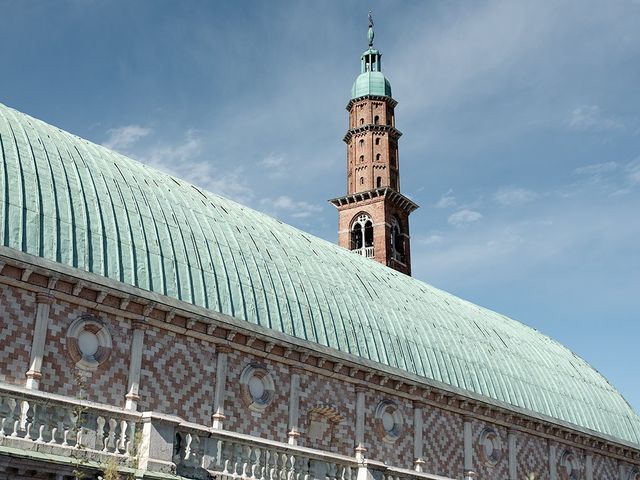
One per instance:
(45, 298)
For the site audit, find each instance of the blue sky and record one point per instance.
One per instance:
(521, 131)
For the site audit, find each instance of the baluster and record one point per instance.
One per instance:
(100, 434)
(225, 456)
(302, 468)
(26, 419)
(245, 461)
(272, 464)
(254, 459)
(196, 451)
(332, 471)
(237, 459)
(110, 444)
(122, 439)
(349, 473)
(187, 448)
(4, 413)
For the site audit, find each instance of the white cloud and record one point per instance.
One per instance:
(633, 172)
(121, 138)
(464, 216)
(591, 117)
(284, 204)
(514, 195)
(596, 168)
(447, 200)
(275, 165)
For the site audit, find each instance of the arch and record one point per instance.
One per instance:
(362, 158)
(397, 240)
(378, 157)
(361, 232)
(376, 120)
(377, 140)
(378, 182)
(361, 143)
(361, 121)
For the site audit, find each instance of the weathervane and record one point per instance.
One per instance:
(370, 33)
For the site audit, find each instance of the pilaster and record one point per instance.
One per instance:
(221, 382)
(135, 361)
(34, 374)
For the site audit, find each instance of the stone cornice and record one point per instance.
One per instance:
(388, 100)
(392, 131)
(395, 197)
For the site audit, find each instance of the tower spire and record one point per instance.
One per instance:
(370, 33)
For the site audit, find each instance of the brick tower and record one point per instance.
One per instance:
(374, 215)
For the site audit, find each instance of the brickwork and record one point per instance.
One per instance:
(483, 466)
(604, 468)
(443, 442)
(17, 319)
(271, 423)
(532, 456)
(108, 383)
(178, 375)
(341, 396)
(398, 452)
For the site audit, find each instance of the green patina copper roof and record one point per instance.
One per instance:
(371, 80)
(71, 201)
(371, 83)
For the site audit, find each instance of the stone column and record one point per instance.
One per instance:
(360, 411)
(588, 466)
(553, 468)
(221, 384)
(418, 436)
(135, 363)
(294, 406)
(468, 449)
(512, 439)
(34, 374)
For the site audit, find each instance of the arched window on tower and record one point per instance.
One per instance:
(362, 121)
(377, 156)
(397, 241)
(376, 120)
(361, 143)
(378, 141)
(361, 180)
(362, 158)
(378, 182)
(362, 235)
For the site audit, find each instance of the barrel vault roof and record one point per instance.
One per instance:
(68, 200)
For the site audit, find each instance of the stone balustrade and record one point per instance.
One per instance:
(75, 430)
(89, 436)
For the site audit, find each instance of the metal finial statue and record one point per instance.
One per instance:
(370, 33)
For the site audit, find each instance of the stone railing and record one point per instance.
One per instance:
(202, 452)
(365, 252)
(79, 431)
(78, 435)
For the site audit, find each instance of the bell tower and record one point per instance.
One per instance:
(373, 217)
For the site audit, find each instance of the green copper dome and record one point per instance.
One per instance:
(70, 201)
(371, 83)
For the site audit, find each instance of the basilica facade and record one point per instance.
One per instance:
(151, 329)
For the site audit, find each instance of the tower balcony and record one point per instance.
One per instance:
(365, 252)
(72, 438)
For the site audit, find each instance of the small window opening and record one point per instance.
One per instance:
(362, 158)
(376, 120)
(378, 141)
(362, 121)
(361, 180)
(378, 182)
(378, 156)
(361, 143)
